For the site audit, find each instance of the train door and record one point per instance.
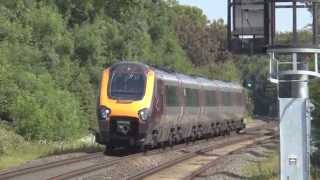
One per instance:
(180, 120)
(172, 107)
(160, 110)
(192, 110)
(219, 106)
(201, 102)
(158, 102)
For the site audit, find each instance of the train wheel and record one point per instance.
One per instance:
(179, 138)
(223, 132)
(238, 131)
(218, 132)
(171, 141)
(186, 140)
(206, 137)
(162, 145)
(144, 149)
(108, 149)
(199, 132)
(212, 133)
(155, 141)
(194, 134)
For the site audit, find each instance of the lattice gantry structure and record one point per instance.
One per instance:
(252, 29)
(252, 24)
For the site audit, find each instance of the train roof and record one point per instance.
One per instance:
(173, 78)
(194, 81)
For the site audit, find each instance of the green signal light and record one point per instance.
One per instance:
(248, 83)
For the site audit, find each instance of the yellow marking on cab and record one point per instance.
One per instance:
(126, 108)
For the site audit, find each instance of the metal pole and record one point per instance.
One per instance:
(316, 63)
(309, 118)
(294, 25)
(229, 25)
(273, 22)
(293, 97)
(315, 23)
(266, 22)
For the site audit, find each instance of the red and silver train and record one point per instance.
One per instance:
(141, 105)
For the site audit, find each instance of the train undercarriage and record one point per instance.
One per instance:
(125, 134)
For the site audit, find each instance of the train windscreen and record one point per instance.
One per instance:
(127, 83)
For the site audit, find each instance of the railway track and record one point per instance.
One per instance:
(110, 162)
(50, 165)
(195, 162)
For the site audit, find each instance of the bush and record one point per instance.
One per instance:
(8, 140)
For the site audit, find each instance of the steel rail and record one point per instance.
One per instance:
(78, 172)
(220, 159)
(37, 168)
(96, 167)
(92, 168)
(190, 155)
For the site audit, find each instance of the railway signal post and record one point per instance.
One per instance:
(252, 28)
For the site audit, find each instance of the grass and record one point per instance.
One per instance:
(14, 150)
(248, 119)
(264, 170)
(269, 169)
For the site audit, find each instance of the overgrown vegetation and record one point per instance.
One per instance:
(265, 170)
(269, 169)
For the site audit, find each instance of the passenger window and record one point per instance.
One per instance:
(171, 96)
(192, 97)
(211, 98)
(226, 98)
(241, 99)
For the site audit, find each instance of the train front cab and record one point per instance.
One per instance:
(125, 104)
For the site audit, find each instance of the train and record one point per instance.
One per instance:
(144, 106)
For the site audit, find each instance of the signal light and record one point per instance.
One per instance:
(248, 83)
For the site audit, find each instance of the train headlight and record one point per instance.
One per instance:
(104, 112)
(144, 114)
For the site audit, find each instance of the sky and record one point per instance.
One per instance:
(215, 9)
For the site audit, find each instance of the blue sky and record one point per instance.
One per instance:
(215, 9)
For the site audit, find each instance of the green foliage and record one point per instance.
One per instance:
(203, 42)
(267, 169)
(52, 54)
(8, 140)
(34, 97)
